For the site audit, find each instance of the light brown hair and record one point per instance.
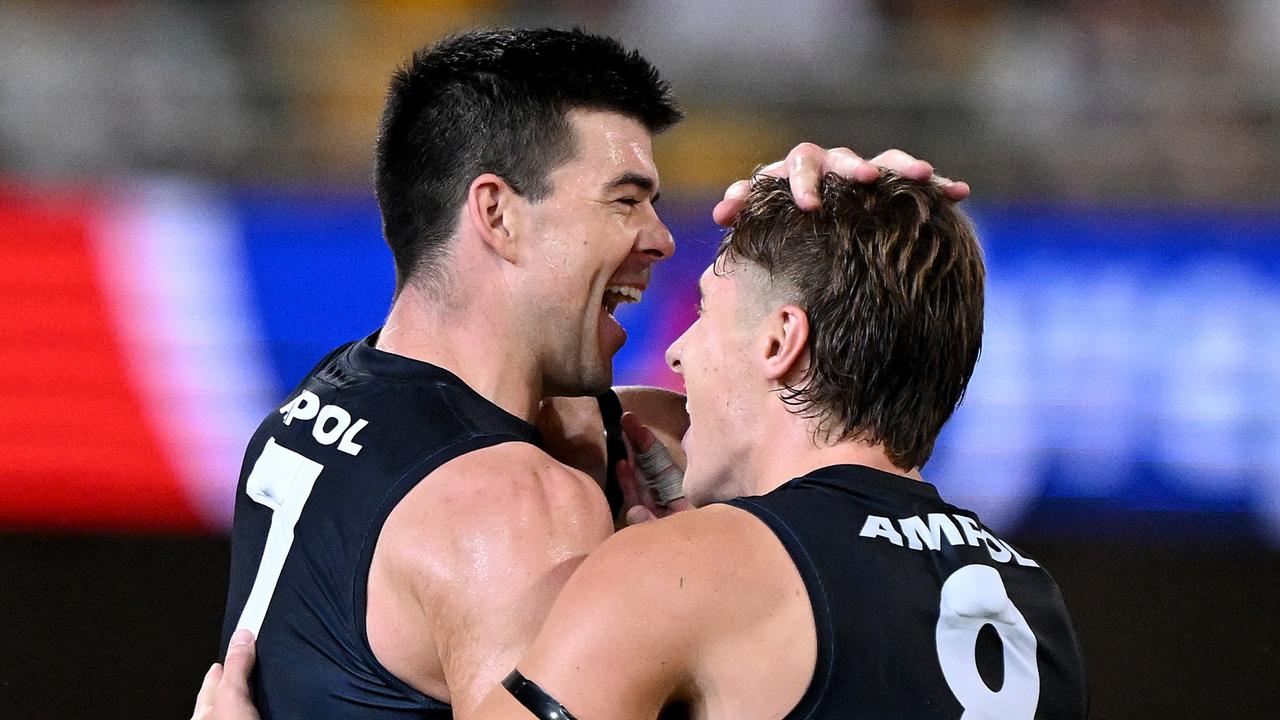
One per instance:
(890, 275)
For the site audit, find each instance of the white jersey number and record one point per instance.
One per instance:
(282, 480)
(975, 596)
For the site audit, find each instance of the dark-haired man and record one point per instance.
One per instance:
(399, 533)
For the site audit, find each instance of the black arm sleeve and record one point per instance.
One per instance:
(535, 699)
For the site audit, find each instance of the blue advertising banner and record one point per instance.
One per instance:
(1129, 384)
(1131, 361)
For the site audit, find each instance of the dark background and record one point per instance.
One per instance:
(118, 626)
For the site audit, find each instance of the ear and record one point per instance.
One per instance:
(492, 210)
(786, 342)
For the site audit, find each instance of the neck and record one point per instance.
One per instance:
(791, 451)
(471, 339)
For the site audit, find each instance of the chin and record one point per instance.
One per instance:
(597, 382)
(588, 381)
(595, 375)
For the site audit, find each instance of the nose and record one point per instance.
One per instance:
(673, 355)
(656, 241)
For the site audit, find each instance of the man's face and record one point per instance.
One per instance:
(722, 382)
(597, 238)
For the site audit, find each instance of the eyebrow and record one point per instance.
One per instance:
(643, 182)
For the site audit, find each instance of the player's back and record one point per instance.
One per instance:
(319, 479)
(920, 611)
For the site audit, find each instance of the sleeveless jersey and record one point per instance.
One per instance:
(920, 610)
(319, 479)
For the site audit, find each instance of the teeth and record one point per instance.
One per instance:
(628, 294)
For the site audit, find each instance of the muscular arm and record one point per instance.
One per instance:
(464, 572)
(702, 608)
(476, 554)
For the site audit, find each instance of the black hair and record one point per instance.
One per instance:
(495, 101)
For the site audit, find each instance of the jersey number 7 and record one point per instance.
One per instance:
(282, 480)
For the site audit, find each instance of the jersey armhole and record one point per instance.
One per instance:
(614, 446)
(360, 583)
(824, 664)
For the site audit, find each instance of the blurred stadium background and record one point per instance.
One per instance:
(187, 223)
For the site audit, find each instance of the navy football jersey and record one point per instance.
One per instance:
(319, 479)
(920, 610)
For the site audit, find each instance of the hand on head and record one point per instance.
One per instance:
(805, 165)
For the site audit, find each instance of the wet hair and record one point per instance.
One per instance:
(495, 101)
(890, 275)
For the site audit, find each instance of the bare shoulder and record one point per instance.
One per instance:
(688, 568)
(638, 397)
(496, 499)
(505, 478)
(656, 407)
(469, 562)
(696, 599)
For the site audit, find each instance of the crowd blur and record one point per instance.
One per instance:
(1089, 99)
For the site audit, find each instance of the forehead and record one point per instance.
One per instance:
(736, 282)
(719, 280)
(608, 145)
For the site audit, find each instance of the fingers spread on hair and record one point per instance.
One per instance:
(846, 163)
(906, 165)
(727, 209)
(954, 190)
(804, 166)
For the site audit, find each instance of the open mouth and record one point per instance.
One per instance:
(615, 295)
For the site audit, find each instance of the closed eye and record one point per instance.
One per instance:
(630, 202)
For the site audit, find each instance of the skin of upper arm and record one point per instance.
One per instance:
(623, 638)
(486, 547)
(678, 609)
